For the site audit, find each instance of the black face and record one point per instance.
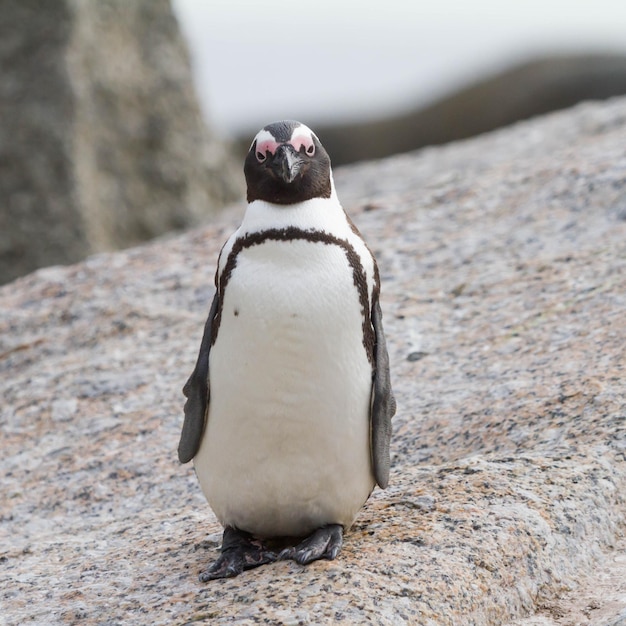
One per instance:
(287, 164)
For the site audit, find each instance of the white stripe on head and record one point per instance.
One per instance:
(303, 136)
(265, 142)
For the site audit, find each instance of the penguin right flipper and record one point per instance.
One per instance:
(383, 402)
(196, 390)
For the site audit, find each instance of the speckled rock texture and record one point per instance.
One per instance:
(503, 262)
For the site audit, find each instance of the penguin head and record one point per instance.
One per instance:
(287, 164)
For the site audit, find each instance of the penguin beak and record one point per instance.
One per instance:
(287, 163)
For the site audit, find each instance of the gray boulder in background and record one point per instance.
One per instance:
(517, 93)
(102, 143)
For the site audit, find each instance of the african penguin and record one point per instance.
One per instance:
(289, 407)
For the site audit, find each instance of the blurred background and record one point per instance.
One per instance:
(123, 120)
(332, 61)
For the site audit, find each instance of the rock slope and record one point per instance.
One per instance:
(503, 262)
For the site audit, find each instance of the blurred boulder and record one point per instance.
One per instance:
(102, 143)
(530, 89)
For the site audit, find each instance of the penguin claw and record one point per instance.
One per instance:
(240, 551)
(324, 543)
(226, 566)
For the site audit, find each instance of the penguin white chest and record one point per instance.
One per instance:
(286, 448)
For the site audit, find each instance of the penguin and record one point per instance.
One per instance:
(289, 406)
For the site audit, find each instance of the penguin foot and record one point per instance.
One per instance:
(240, 551)
(324, 543)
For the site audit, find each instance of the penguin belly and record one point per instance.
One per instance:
(286, 448)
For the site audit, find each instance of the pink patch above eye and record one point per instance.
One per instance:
(267, 146)
(302, 141)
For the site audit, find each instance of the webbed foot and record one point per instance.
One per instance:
(240, 551)
(324, 543)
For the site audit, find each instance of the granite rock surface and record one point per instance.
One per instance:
(503, 262)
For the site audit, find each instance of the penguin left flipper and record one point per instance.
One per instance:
(197, 391)
(383, 402)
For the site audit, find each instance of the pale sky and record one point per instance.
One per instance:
(320, 60)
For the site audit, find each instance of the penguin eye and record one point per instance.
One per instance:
(304, 143)
(263, 147)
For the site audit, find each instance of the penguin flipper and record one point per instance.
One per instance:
(196, 390)
(383, 402)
